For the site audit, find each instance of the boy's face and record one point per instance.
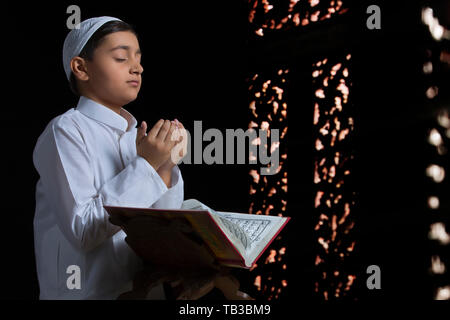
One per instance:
(115, 70)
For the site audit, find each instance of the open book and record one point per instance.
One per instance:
(232, 239)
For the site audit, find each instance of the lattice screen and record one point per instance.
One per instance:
(268, 109)
(268, 16)
(334, 189)
(268, 193)
(436, 70)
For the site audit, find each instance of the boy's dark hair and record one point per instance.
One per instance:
(95, 41)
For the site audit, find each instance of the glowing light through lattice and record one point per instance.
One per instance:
(432, 92)
(268, 193)
(334, 197)
(428, 67)
(437, 266)
(265, 15)
(438, 232)
(436, 172)
(433, 202)
(444, 119)
(438, 31)
(443, 293)
(437, 136)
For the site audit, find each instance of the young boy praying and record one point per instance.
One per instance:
(93, 155)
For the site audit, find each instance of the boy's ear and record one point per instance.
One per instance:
(79, 68)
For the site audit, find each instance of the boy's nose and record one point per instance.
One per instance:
(137, 69)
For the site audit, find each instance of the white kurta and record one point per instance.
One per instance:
(87, 158)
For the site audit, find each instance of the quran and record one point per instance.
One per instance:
(196, 235)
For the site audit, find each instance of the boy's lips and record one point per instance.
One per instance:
(134, 83)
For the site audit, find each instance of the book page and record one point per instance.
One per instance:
(232, 226)
(236, 230)
(253, 228)
(253, 231)
(260, 230)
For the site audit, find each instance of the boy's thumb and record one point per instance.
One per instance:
(142, 130)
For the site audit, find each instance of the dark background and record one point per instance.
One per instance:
(196, 56)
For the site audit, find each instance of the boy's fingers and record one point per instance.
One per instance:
(171, 137)
(163, 130)
(171, 134)
(155, 130)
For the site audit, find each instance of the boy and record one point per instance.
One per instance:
(92, 156)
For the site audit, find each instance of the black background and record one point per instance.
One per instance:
(196, 56)
(194, 70)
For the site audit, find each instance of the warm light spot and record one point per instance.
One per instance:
(316, 114)
(433, 202)
(257, 283)
(352, 247)
(438, 232)
(345, 72)
(442, 293)
(255, 175)
(428, 67)
(269, 207)
(320, 93)
(319, 145)
(318, 197)
(323, 243)
(444, 119)
(271, 257)
(274, 146)
(252, 124)
(344, 89)
(437, 266)
(315, 16)
(432, 92)
(437, 173)
(436, 30)
(275, 107)
(435, 137)
(336, 67)
(343, 134)
(256, 141)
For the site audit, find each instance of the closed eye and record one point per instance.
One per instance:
(120, 60)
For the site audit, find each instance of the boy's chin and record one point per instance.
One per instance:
(127, 98)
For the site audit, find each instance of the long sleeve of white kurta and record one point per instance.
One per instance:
(86, 158)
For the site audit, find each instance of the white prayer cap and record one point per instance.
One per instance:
(76, 39)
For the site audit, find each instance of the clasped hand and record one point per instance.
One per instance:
(164, 145)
